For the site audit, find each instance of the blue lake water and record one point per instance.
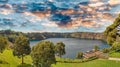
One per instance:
(73, 46)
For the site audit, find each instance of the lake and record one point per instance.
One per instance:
(73, 45)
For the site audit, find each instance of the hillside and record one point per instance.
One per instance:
(41, 36)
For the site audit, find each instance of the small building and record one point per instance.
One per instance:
(98, 54)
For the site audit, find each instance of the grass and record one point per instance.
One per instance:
(94, 63)
(13, 61)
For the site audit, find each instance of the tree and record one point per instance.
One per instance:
(21, 47)
(112, 36)
(60, 49)
(3, 43)
(96, 48)
(111, 31)
(43, 54)
(79, 55)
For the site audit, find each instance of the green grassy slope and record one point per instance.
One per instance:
(14, 62)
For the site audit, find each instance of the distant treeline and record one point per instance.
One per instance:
(41, 36)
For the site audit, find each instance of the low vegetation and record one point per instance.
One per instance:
(79, 55)
(114, 54)
(68, 60)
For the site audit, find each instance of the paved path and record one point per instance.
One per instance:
(116, 59)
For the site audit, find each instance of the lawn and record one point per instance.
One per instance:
(94, 63)
(14, 62)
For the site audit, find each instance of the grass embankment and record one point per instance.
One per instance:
(13, 61)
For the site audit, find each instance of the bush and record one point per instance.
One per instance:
(116, 46)
(67, 60)
(106, 50)
(79, 55)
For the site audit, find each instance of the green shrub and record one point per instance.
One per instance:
(79, 55)
(67, 60)
(106, 50)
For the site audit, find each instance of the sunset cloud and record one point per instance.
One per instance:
(96, 4)
(114, 2)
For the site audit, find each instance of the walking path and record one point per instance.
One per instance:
(116, 59)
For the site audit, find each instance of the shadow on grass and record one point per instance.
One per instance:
(3, 62)
(25, 65)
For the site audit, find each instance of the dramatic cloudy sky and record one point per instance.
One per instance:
(58, 15)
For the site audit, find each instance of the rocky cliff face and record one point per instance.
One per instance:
(41, 36)
(88, 35)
